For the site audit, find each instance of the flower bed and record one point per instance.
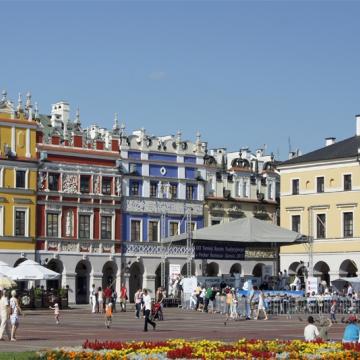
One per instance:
(206, 350)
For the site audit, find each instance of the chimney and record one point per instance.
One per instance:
(115, 145)
(357, 117)
(329, 141)
(39, 137)
(77, 140)
(55, 139)
(99, 144)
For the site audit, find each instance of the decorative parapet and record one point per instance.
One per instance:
(162, 207)
(80, 246)
(143, 249)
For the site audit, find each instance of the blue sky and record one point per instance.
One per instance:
(243, 73)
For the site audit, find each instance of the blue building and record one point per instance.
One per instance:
(163, 187)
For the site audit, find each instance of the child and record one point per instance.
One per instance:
(108, 315)
(56, 312)
(333, 311)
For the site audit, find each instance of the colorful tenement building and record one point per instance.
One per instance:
(93, 204)
(18, 174)
(320, 197)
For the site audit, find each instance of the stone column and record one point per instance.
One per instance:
(127, 284)
(95, 278)
(70, 280)
(149, 283)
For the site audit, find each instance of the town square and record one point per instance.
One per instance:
(179, 179)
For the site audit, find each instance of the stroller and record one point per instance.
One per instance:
(156, 312)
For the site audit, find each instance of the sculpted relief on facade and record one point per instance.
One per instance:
(161, 207)
(70, 183)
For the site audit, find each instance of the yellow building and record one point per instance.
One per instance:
(18, 180)
(320, 197)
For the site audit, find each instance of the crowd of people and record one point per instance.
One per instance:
(104, 301)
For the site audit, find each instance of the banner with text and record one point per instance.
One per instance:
(219, 250)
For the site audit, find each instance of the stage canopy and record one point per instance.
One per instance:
(245, 230)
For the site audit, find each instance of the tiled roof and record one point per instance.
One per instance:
(347, 148)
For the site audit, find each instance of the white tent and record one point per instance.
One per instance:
(246, 230)
(4, 268)
(31, 270)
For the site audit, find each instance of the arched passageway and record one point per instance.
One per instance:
(82, 284)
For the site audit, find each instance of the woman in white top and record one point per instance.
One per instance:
(261, 306)
(100, 300)
(15, 312)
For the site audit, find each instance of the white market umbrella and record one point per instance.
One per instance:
(4, 268)
(6, 282)
(31, 270)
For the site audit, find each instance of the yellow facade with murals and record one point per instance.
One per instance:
(18, 178)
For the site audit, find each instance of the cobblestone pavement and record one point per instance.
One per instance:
(38, 329)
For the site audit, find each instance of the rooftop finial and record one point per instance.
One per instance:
(28, 101)
(116, 122)
(19, 106)
(77, 119)
(198, 137)
(4, 94)
(36, 110)
(77, 122)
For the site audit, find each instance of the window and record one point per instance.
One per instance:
(153, 234)
(135, 230)
(135, 188)
(106, 186)
(348, 224)
(85, 184)
(52, 224)
(215, 222)
(295, 223)
(153, 189)
(84, 226)
(270, 191)
(173, 191)
(347, 182)
(190, 192)
(20, 178)
(320, 226)
(245, 189)
(20, 222)
(174, 228)
(53, 180)
(295, 187)
(106, 227)
(320, 184)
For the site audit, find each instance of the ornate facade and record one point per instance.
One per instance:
(18, 173)
(79, 204)
(163, 181)
(94, 204)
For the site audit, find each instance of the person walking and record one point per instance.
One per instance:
(93, 299)
(100, 300)
(123, 297)
(4, 315)
(137, 300)
(108, 314)
(14, 317)
(147, 307)
(56, 313)
(261, 306)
